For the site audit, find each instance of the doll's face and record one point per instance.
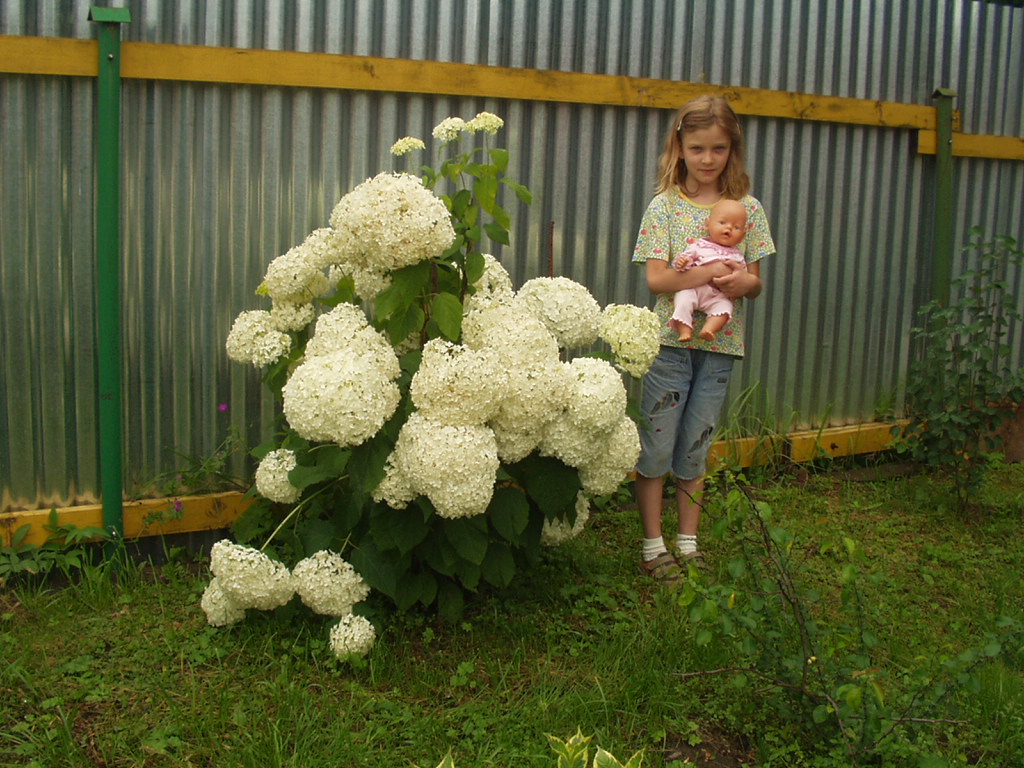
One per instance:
(727, 223)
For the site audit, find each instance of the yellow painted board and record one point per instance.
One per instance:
(161, 61)
(318, 70)
(842, 441)
(975, 145)
(151, 517)
(48, 56)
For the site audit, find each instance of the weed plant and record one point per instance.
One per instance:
(126, 672)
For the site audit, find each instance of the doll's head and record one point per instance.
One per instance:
(727, 223)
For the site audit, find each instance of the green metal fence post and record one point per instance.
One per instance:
(942, 260)
(108, 261)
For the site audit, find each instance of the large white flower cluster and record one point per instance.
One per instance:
(633, 334)
(341, 397)
(566, 308)
(254, 338)
(220, 609)
(247, 578)
(457, 385)
(389, 222)
(272, 477)
(454, 466)
(493, 287)
(557, 532)
(295, 277)
(592, 432)
(345, 388)
(352, 635)
(250, 579)
(328, 584)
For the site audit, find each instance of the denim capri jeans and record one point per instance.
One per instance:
(683, 393)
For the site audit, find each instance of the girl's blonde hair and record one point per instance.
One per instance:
(704, 112)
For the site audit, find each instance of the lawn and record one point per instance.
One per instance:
(124, 670)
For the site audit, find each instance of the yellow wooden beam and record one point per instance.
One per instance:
(160, 61)
(150, 517)
(974, 145)
(242, 66)
(155, 517)
(49, 56)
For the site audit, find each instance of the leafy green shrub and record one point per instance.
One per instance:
(963, 387)
(432, 431)
(818, 665)
(65, 550)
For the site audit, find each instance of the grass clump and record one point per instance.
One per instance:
(128, 673)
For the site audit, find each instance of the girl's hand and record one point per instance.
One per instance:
(741, 281)
(662, 278)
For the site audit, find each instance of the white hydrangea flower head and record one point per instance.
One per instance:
(633, 333)
(328, 584)
(352, 635)
(343, 397)
(537, 393)
(322, 249)
(449, 129)
(255, 339)
(567, 309)
(272, 477)
(487, 122)
(395, 490)
(572, 444)
(598, 397)
(605, 473)
(517, 336)
(345, 328)
(493, 287)
(367, 283)
(250, 578)
(220, 609)
(293, 278)
(454, 466)
(389, 222)
(515, 445)
(287, 316)
(406, 145)
(458, 385)
(556, 532)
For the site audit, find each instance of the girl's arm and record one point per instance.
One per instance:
(741, 283)
(662, 278)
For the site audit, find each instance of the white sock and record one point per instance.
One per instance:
(686, 544)
(653, 548)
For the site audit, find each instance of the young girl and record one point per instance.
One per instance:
(683, 391)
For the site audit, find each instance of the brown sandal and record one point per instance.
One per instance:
(663, 568)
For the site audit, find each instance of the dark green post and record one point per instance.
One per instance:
(942, 260)
(108, 260)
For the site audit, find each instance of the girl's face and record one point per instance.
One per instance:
(706, 153)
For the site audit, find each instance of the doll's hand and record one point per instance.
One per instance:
(681, 263)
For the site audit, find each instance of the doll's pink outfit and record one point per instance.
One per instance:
(706, 298)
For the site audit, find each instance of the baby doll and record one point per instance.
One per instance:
(727, 226)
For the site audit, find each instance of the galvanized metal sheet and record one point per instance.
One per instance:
(218, 180)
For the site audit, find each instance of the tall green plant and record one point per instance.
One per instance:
(963, 386)
(431, 431)
(814, 660)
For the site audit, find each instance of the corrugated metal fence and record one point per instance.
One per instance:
(220, 179)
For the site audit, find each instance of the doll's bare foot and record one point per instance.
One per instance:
(685, 332)
(712, 326)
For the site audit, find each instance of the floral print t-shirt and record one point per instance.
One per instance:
(672, 222)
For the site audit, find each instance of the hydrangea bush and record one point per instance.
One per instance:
(436, 432)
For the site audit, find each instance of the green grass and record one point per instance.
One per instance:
(129, 674)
